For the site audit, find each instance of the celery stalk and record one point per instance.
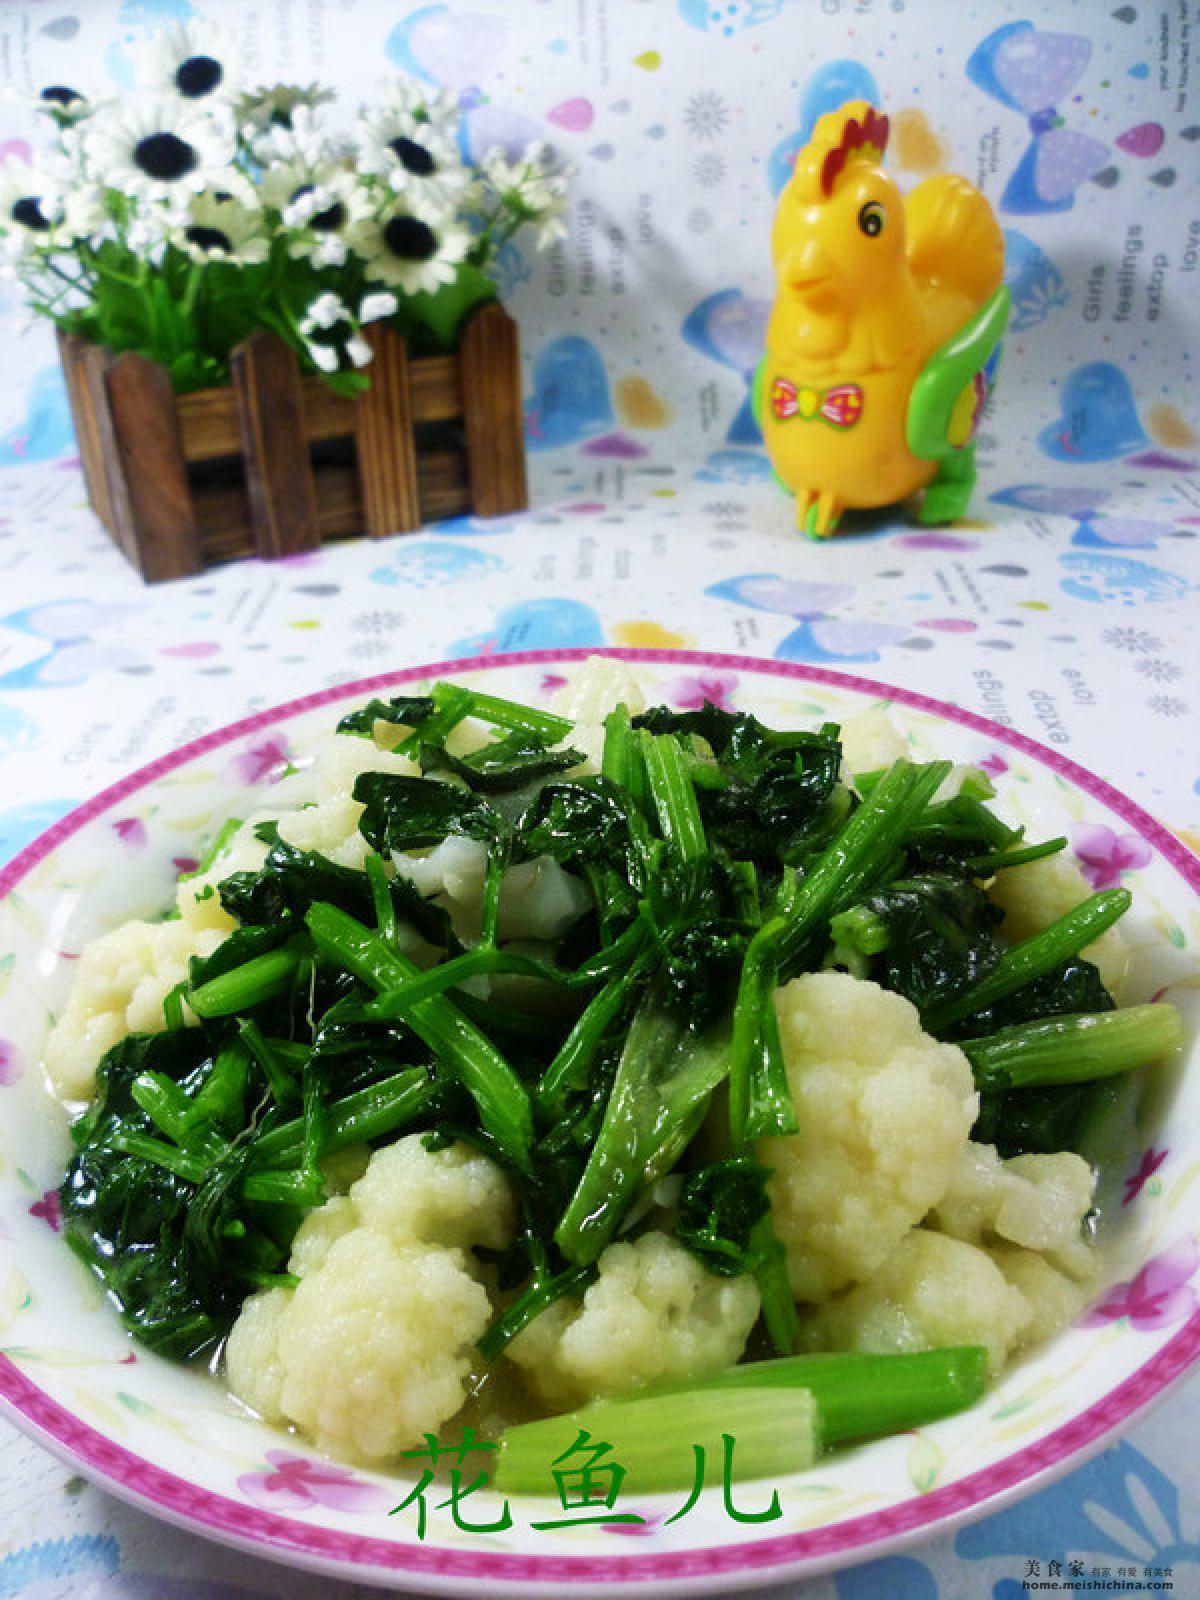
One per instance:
(774, 1432)
(859, 1394)
(1074, 1049)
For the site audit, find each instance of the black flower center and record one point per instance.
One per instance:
(28, 212)
(413, 157)
(410, 238)
(198, 76)
(58, 94)
(330, 220)
(208, 239)
(165, 156)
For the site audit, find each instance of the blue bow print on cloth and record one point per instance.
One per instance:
(729, 328)
(1035, 283)
(1029, 71)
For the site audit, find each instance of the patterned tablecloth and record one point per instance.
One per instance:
(1066, 607)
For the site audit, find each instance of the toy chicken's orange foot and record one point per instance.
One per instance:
(817, 513)
(884, 333)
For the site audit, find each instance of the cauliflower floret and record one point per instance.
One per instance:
(931, 1291)
(538, 899)
(599, 685)
(369, 1352)
(120, 983)
(253, 1366)
(1053, 1298)
(319, 1232)
(870, 740)
(1037, 894)
(197, 898)
(451, 1197)
(883, 1111)
(653, 1315)
(454, 868)
(374, 1347)
(1036, 1201)
(331, 825)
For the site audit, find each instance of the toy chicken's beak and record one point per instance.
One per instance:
(806, 269)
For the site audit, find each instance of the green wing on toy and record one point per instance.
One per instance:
(756, 392)
(947, 397)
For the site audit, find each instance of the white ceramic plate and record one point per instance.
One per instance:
(169, 1439)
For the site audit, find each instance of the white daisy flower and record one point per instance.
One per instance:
(359, 351)
(159, 149)
(31, 213)
(376, 306)
(331, 334)
(413, 156)
(325, 312)
(272, 105)
(408, 250)
(64, 104)
(436, 108)
(531, 188)
(305, 140)
(319, 215)
(195, 62)
(39, 214)
(281, 182)
(149, 230)
(219, 227)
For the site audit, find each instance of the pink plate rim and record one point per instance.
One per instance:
(333, 1550)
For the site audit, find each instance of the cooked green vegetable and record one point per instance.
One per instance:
(720, 1209)
(457, 1044)
(782, 1413)
(656, 1441)
(711, 859)
(1036, 957)
(858, 1394)
(1074, 1049)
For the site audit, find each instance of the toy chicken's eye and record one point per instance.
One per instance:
(871, 219)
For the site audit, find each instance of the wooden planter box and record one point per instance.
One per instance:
(274, 463)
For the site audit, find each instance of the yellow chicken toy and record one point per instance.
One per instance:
(884, 333)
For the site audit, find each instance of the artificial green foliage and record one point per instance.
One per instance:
(181, 218)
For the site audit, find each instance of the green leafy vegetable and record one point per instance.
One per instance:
(411, 813)
(720, 1208)
(721, 858)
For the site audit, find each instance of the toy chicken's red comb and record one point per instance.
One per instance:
(872, 131)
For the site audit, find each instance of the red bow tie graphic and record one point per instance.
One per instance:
(840, 406)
